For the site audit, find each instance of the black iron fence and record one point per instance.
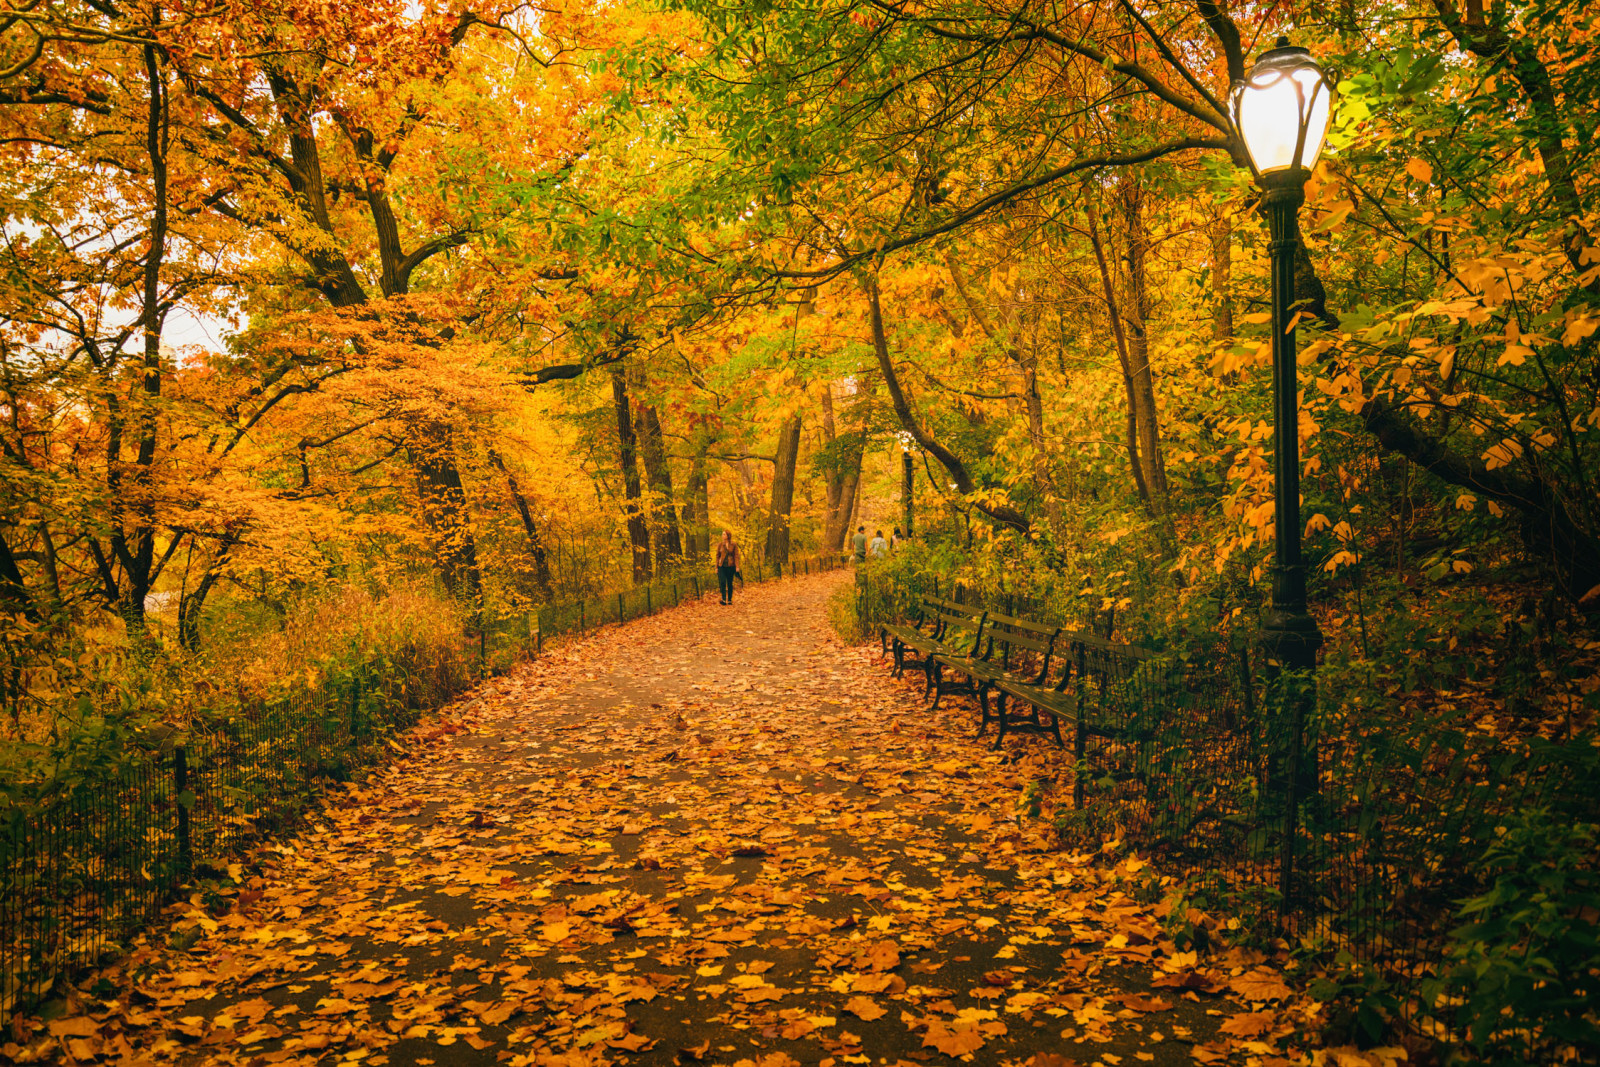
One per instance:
(89, 857)
(1353, 835)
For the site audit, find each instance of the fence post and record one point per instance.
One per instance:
(483, 650)
(648, 610)
(695, 578)
(538, 635)
(180, 775)
(581, 626)
(619, 609)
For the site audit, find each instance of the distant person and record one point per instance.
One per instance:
(859, 543)
(879, 547)
(727, 565)
(895, 540)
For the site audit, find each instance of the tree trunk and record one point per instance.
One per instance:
(663, 509)
(1137, 314)
(697, 509)
(13, 590)
(541, 560)
(1002, 513)
(192, 605)
(783, 493)
(432, 454)
(1547, 524)
(1221, 235)
(908, 487)
(1131, 431)
(846, 476)
(839, 529)
(1026, 359)
(134, 548)
(627, 452)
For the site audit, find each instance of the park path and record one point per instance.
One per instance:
(716, 836)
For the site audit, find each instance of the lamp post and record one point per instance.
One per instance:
(1281, 109)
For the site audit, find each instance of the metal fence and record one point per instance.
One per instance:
(1344, 832)
(90, 858)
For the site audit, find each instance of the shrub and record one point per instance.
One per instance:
(1521, 984)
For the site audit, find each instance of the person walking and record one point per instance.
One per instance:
(895, 540)
(879, 547)
(727, 565)
(859, 544)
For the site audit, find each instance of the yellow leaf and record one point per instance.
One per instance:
(865, 1008)
(1419, 169)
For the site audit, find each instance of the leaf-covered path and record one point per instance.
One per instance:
(715, 835)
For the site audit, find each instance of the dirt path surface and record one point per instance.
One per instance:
(715, 835)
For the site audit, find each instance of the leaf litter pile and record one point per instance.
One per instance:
(712, 836)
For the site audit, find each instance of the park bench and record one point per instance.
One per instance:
(949, 626)
(1008, 649)
(1101, 692)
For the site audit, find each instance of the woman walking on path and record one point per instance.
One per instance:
(727, 565)
(879, 547)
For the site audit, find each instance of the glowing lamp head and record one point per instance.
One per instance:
(1281, 109)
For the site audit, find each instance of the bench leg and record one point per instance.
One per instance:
(1000, 710)
(938, 687)
(1055, 729)
(983, 707)
(898, 667)
(1000, 734)
(929, 670)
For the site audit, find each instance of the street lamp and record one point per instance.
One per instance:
(1281, 109)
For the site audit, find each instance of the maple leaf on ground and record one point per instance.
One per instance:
(772, 1059)
(79, 1026)
(879, 956)
(959, 1042)
(1249, 1024)
(1051, 1059)
(865, 1007)
(1260, 984)
(1199, 980)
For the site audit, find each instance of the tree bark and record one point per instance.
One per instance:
(847, 450)
(908, 488)
(1131, 430)
(1520, 57)
(1026, 360)
(663, 508)
(1002, 513)
(541, 560)
(783, 493)
(430, 448)
(698, 506)
(1221, 235)
(1137, 313)
(1547, 527)
(192, 605)
(14, 595)
(627, 453)
(134, 548)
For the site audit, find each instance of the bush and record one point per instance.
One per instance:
(1522, 979)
